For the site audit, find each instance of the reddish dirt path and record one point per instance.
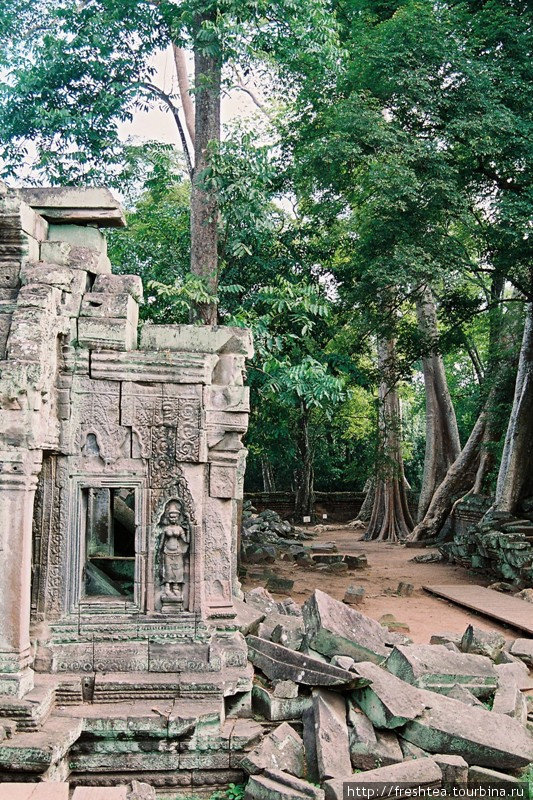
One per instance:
(388, 564)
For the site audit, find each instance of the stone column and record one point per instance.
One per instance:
(18, 482)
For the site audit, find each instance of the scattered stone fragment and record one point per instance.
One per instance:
(392, 624)
(523, 649)
(282, 749)
(335, 629)
(354, 595)
(525, 594)
(412, 750)
(509, 700)
(418, 772)
(344, 662)
(515, 673)
(279, 585)
(288, 635)
(327, 723)
(275, 708)
(405, 589)
(481, 775)
(355, 562)
(369, 748)
(140, 791)
(286, 689)
(324, 547)
(436, 668)
(502, 586)
(261, 599)
(484, 643)
(446, 638)
(459, 692)
(454, 769)
(286, 622)
(428, 558)
(387, 701)
(280, 663)
(277, 785)
(248, 617)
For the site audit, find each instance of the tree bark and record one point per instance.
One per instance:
(515, 480)
(204, 204)
(304, 503)
(269, 483)
(391, 518)
(457, 481)
(365, 511)
(442, 435)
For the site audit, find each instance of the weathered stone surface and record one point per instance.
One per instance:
(277, 785)
(289, 632)
(69, 204)
(523, 649)
(263, 600)
(138, 790)
(438, 669)
(287, 689)
(215, 339)
(446, 637)
(370, 749)
(477, 776)
(354, 595)
(282, 749)
(326, 736)
(335, 629)
(460, 692)
(420, 772)
(275, 708)
(454, 769)
(248, 617)
(79, 236)
(387, 701)
(344, 662)
(484, 643)
(32, 791)
(509, 700)
(280, 663)
(119, 284)
(516, 673)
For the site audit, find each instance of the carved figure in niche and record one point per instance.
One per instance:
(175, 542)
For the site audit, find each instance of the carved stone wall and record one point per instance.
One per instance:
(88, 408)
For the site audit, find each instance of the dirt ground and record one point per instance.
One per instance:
(388, 564)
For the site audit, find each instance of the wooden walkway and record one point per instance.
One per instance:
(510, 610)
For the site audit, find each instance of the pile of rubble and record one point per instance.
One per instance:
(344, 699)
(498, 544)
(266, 537)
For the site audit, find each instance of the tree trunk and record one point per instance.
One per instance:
(515, 480)
(442, 435)
(457, 481)
(269, 483)
(304, 504)
(390, 519)
(204, 205)
(180, 62)
(365, 511)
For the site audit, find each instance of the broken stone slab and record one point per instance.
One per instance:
(278, 785)
(523, 649)
(280, 663)
(90, 260)
(248, 618)
(412, 751)
(344, 662)
(354, 595)
(325, 723)
(445, 638)
(263, 600)
(286, 689)
(509, 700)
(439, 724)
(480, 775)
(335, 629)
(405, 589)
(423, 772)
(355, 562)
(275, 708)
(436, 668)
(515, 673)
(279, 585)
(483, 643)
(200, 339)
(370, 749)
(281, 749)
(139, 790)
(289, 635)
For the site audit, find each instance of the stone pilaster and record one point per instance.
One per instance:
(18, 481)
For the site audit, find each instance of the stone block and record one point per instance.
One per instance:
(459, 692)
(55, 252)
(477, 776)
(438, 669)
(516, 673)
(69, 280)
(104, 306)
(106, 334)
(335, 629)
(79, 236)
(90, 260)
(9, 276)
(354, 595)
(523, 649)
(286, 689)
(248, 618)
(195, 339)
(483, 643)
(277, 785)
(139, 366)
(454, 769)
(120, 284)
(282, 749)
(289, 632)
(326, 736)
(275, 708)
(370, 749)
(280, 663)
(409, 775)
(70, 204)
(387, 701)
(446, 638)
(509, 700)
(222, 480)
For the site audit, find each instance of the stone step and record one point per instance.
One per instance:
(36, 752)
(32, 711)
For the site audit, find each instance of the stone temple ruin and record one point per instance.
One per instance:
(121, 470)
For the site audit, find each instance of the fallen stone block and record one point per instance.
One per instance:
(354, 595)
(438, 669)
(523, 649)
(394, 625)
(277, 785)
(334, 629)
(355, 562)
(515, 673)
(279, 585)
(510, 701)
(280, 663)
(325, 723)
(261, 599)
(370, 749)
(483, 643)
(410, 774)
(525, 594)
(412, 750)
(140, 791)
(439, 724)
(344, 662)
(445, 637)
(248, 617)
(459, 692)
(282, 749)
(454, 769)
(286, 689)
(278, 709)
(480, 775)
(405, 589)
